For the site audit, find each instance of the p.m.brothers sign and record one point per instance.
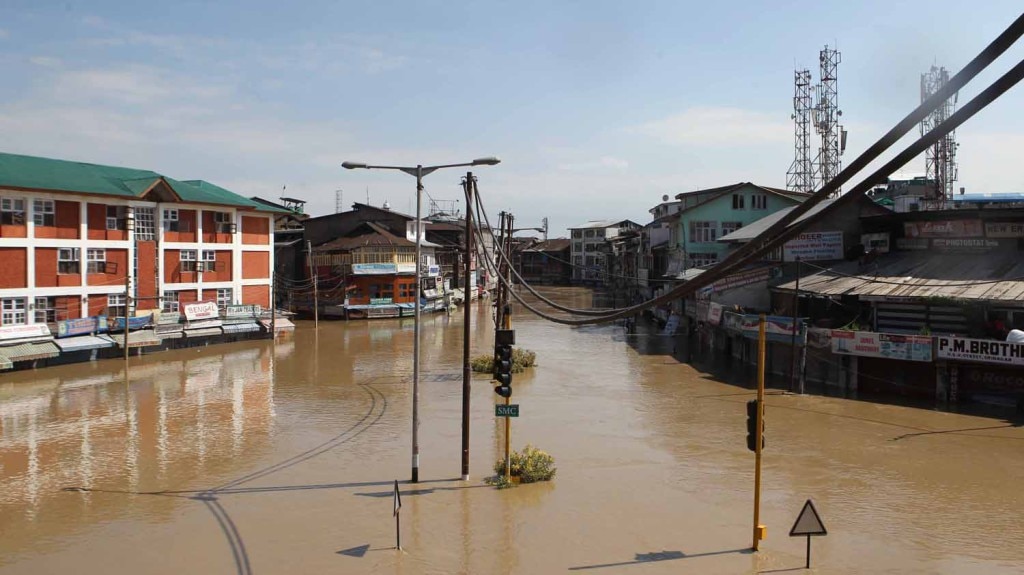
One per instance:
(980, 350)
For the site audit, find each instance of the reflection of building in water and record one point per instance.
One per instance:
(169, 426)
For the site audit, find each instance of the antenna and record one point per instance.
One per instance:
(800, 176)
(940, 158)
(339, 201)
(827, 112)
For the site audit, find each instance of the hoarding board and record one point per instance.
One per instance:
(814, 246)
(890, 346)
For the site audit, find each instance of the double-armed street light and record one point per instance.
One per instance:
(419, 171)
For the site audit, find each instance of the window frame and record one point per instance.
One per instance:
(704, 231)
(8, 205)
(188, 259)
(48, 309)
(225, 297)
(71, 265)
(759, 201)
(171, 302)
(9, 311)
(44, 213)
(117, 301)
(738, 201)
(100, 266)
(170, 220)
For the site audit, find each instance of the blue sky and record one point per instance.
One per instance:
(597, 109)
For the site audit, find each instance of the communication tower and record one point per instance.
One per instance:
(826, 118)
(339, 202)
(800, 176)
(940, 158)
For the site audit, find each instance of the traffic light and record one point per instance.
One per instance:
(503, 340)
(752, 426)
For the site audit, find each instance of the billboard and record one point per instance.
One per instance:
(890, 346)
(814, 246)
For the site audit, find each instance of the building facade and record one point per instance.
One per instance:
(81, 240)
(590, 249)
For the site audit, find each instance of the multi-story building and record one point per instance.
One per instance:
(590, 248)
(77, 238)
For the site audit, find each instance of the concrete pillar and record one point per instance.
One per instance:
(941, 383)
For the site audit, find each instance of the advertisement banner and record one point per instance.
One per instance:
(714, 313)
(409, 268)
(742, 279)
(242, 310)
(890, 346)
(137, 322)
(200, 310)
(1004, 229)
(820, 338)
(814, 246)
(943, 229)
(82, 326)
(964, 245)
(432, 271)
(981, 350)
(372, 269)
(777, 328)
(912, 244)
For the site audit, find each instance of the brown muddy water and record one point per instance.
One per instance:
(262, 458)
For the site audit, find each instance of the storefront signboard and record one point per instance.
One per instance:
(200, 310)
(1004, 229)
(24, 331)
(981, 350)
(82, 326)
(777, 328)
(242, 310)
(943, 229)
(814, 246)
(890, 346)
(373, 269)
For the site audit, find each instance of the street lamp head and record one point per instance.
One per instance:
(488, 161)
(352, 165)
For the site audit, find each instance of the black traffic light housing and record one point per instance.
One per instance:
(752, 426)
(503, 341)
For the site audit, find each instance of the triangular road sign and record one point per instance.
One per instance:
(808, 522)
(398, 499)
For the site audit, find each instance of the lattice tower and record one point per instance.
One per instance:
(800, 176)
(826, 118)
(940, 159)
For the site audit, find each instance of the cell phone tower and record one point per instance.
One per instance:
(826, 118)
(940, 158)
(800, 177)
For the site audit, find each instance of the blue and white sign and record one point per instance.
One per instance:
(373, 269)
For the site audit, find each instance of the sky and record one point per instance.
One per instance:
(596, 109)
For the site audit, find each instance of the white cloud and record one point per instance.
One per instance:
(602, 163)
(4, 34)
(45, 61)
(719, 127)
(132, 85)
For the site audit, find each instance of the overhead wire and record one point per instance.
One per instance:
(786, 227)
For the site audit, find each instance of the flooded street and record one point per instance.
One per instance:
(263, 458)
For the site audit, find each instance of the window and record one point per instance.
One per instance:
(116, 305)
(577, 260)
(222, 223)
(737, 201)
(759, 201)
(406, 290)
(577, 234)
(116, 217)
(701, 259)
(388, 291)
(145, 224)
(171, 220)
(171, 302)
(43, 213)
(12, 211)
(730, 227)
(703, 231)
(590, 233)
(13, 311)
(45, 311)
(224, 298)
(209, 263)
(188, 260)
(68, 261)
(96, 260)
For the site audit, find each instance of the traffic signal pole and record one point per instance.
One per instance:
(759, 530)
(466, 321)
(507, 319)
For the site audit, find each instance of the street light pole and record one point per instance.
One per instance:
(419, 171)
(416, 336)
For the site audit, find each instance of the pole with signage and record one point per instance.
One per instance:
(759, 530)
(467, 374)
(808, 524)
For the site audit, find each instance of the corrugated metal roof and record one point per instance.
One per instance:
(140, 338)
(30, 351)
(753, 229)
(83, 342)
(924, 275)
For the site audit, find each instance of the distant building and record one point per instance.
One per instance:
(590, 249)
(547, 262)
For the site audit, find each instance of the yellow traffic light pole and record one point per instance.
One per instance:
(759, 530)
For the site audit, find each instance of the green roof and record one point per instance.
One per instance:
(31, 172)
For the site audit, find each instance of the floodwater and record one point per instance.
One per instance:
(262, 458)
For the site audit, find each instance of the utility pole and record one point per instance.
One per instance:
(792, 344)
(316, 281)
(127, 299)
(468, 185)
(273, 306)
(759, 530)
(507, 324)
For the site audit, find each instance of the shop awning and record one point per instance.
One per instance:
(241, 327)
(281, 324)
(140, 338)
(203, 332)
(29, 351)
(83, 342)
(176, 334)
(5, 363)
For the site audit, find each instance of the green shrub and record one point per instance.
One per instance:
(521, 359)
(530, 465)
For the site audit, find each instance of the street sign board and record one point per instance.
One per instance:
(808, 522)
(502, 410)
